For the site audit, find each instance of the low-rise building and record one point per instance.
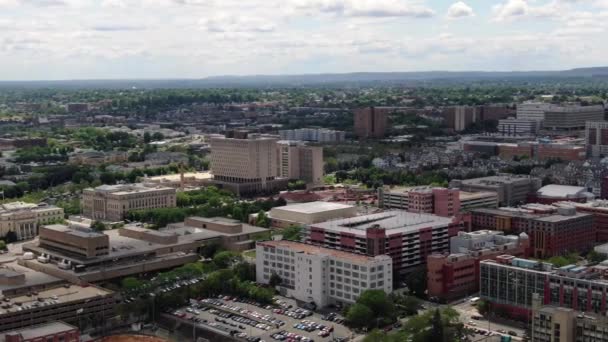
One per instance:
(46, 332)
(553, 193)
(68, 303)
(18, 280)
(313, 134)
(572, 117)
(79, 254)
(321, 275)
(513, 284)
(113, 202)
(96, 158)
(183, 180)
(434, 200)
(308, 213)
(513, 126)
(551, 234)
(408, 238)
(511, 189)
(24, 219)
(456, 274)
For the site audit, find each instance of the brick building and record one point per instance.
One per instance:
(456, 274)
(550, 234)
(408, 238)
(371, 122)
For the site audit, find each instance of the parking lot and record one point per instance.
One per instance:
(248, 321)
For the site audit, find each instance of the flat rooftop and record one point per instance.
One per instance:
(195, 233)
(177, 177)
(313, 207)
(465, 195)
(394, 221)
(32, 278)
(495, 180)
(38, 331)
(300, 247)
(79, 232)
(125, 189)
(55, 296)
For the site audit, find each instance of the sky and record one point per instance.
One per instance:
(112, 39)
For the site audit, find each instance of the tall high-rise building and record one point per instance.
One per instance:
(370, 122)
(246, 163)
(296, 160)
(596, 138)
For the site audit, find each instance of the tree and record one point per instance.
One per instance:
(262, 219)
(360, 315)
(147, 137)
(595, 257)
(130, 283)
(2, 245)
(437, 327)
(483, 307)
(275, 280)
(293, 233)
(225, 259)
(379, 302)
(98, 226)
(10, 237)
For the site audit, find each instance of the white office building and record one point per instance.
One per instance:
(313, 134)
(513, 126)
(321, 275)
(532, 111)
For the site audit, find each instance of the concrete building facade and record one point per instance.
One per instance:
(113, 202)
(511, 189)
(321, 275)
(246, 163)
(296, 160)
(313, 134)
(513, 126)
(24, 219)
(572, 117)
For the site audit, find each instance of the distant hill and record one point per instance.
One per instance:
(357, 78)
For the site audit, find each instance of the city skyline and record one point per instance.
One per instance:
(113, 39)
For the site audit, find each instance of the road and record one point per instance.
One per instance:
(468, 311)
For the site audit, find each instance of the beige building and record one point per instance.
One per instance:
(112, 202)
(246, 163)
(559, 324)
(25, 218)
(309, 213)
(180, 180)
(80, 255)
(297, 161)
(82, 242)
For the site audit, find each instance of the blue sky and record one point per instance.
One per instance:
(85, 39)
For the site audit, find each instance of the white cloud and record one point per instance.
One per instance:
(460, 10)
(511, 9)
(227, 23)
(367, 8)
